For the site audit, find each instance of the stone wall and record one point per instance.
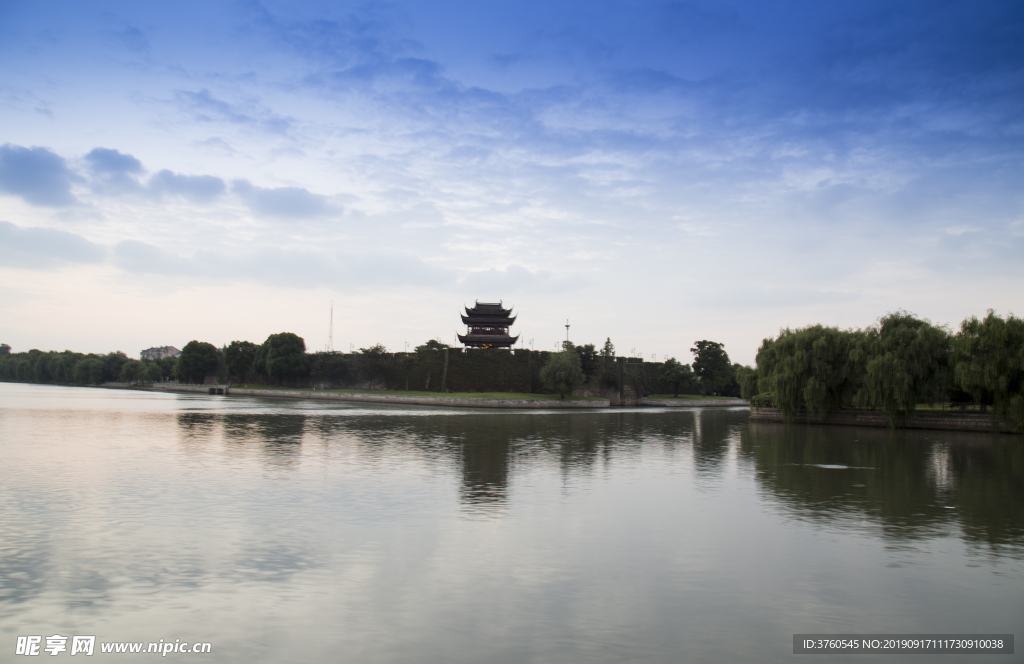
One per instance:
(464, 402)
(695, 403)
(186, 387)
(945, 420)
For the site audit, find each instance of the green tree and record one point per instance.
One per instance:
(907, 360)
(112, 365)
(240, 357)
(4, 350)
(711, 365)
(286, 357)
(990, 364)
(588, 361)
(608, 349)
(678, 375)
(810, 368)
(374, 364)
(432, 344)
(329, 368)
(167, 367)
(64, 367)
(151, 372)
(563, 372)
(131, 371)
(198, 360)
(89, 371)
(747, 378)
(41, 370)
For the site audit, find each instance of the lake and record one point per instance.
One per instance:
(283, 530)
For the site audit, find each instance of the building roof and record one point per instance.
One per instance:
(493, 321)
(488, 309)
(488, 339)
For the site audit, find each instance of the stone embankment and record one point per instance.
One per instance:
(461, 402)
(694, 403)
(943, 420)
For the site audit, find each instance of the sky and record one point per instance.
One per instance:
(655, 173)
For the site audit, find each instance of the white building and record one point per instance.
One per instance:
(160, 353)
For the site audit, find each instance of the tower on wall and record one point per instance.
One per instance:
(487, 326)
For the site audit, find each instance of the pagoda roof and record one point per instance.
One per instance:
(493, 321)
(488, 339)
(488, 309)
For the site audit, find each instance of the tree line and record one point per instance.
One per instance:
(70, 368)
(282, 360)
(892, 367)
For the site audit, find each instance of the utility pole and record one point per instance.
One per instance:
(330, 331)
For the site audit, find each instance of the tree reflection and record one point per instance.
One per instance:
(278, 436)
(487, 447)
(713, 431)
(914, 484)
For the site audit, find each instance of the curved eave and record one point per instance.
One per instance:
(497, 313)
(487, 339)
(488, 321)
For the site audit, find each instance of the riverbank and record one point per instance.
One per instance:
(512, 401)
(940, 420)
(694, 403)
(459, 400)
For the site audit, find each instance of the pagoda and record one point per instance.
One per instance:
(488, 325)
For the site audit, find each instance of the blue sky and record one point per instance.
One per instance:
(655, 172)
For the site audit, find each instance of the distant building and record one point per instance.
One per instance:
(488, 325)
(160, 352)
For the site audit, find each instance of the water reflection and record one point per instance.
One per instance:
(291, 531)
(280, 436)
(483, 447)
(713, 432)
(913, 484)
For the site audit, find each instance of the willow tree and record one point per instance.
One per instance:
(812, 368)
(131, 371)
(563, 372)
(747, 378)
(990, 364)
(907, 361)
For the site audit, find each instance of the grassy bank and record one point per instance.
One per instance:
(412, 393)
(694, 397)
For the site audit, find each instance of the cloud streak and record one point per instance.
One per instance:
(284, 202)
(42, 248)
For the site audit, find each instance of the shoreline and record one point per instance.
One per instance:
(461, 402)
(397, 399)
(694, 403)
(940, 420)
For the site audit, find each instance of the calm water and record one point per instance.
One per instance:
(282, 531)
